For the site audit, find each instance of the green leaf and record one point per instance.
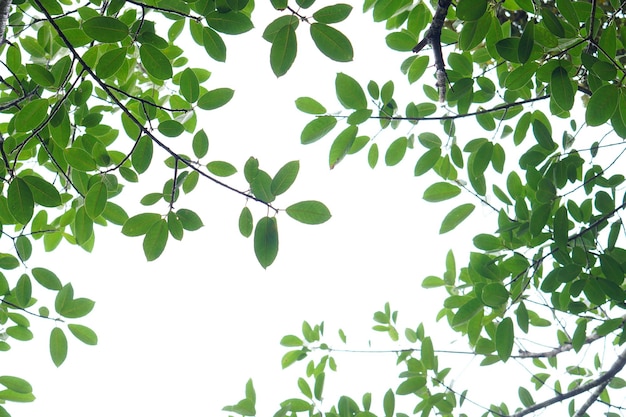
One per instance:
(83, 226)
(245, 222)
(16, 384)
(58, 346)
(309, 212)
(411, 385)
(140, 224)
(396, 151)
(105, 29)
(342, 145)
(230, 23)
(20, 200)
(277, 24)
(23, 290)
(190, 220)
(494, 294)
(221, 168)
(333, 14)
(44, 193)
(455, 217)
(525, 397)
(543, 135)
(142, 154)
(561, 90)
(261, 187)
(389, 403)
(40, 75)
(291, 341)
(349, 92)
(155, 240)
(602, 105)
(285, 177)
(317, 128)
(77, 308)
(110, 63)
(266, 241)
(96, 200)
(526, 42)
(505, 339)
(47, 279)
(171, 128)
(155, 62)
(552, 23)
(189, 85)
(441, 191)
(372, 155)
(79, 159)
(83, 333)
(215, 98)
(309, 105)
(332, 43)
(31, 115)
(284, 50)
(214, 44)
(471, 9)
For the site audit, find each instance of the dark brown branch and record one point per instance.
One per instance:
(602, 380)
(164, 10)
(433, 38)
(29, 312)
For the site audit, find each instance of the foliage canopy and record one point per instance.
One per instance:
(90, 94)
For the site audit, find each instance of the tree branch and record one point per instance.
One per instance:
(433, 38)
(5, 6)
(602, 380)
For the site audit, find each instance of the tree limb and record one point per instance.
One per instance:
(433, 38)
(600, 382)
(5, 6)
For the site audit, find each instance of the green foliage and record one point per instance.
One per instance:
(81, 83)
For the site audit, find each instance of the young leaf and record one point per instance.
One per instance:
(309, 212)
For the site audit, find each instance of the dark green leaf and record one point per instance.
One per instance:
(333, 14)
(245, 222)
(31, 115)
(505, 338)
(105, 29)
(342, 145)
(602, 105)
(266, 241)
(47, 279)
(284, 50)
(20, 200)
(155, 62)
(231, 23)
(471, 9)
(331, 42)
